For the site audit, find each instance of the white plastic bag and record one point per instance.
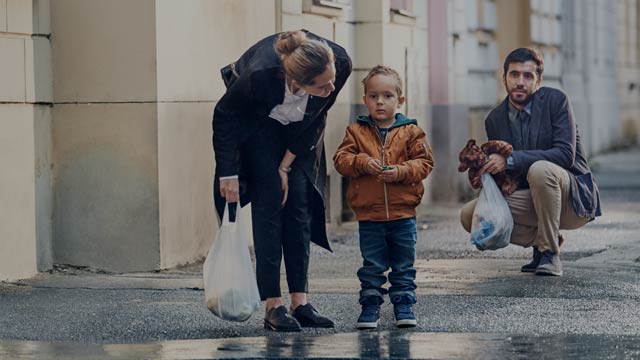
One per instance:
(492, 222)
(230, 287)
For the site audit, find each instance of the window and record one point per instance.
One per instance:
(333, 3)
(402, 7)
(329, 8)
(402, 12)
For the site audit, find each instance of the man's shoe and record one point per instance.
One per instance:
(403, 310)
(307, 316)
(369, 317)
(278, 319)
(531, 267)
(549, 264)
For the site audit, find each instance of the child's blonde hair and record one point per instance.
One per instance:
(303, 59)
(383, 70)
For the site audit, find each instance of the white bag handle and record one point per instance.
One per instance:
(225, 217)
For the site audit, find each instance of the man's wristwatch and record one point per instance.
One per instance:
(510, 164)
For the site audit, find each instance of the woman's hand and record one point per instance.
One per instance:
(373, 167)
(229, 189)
(284, 183)
(389, 175)
(283, 171)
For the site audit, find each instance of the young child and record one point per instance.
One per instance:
(386, 156)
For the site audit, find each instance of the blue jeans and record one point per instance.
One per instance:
(384, 245)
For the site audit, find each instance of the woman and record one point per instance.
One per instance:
(268, 141)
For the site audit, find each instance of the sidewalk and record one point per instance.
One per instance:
(478, 300)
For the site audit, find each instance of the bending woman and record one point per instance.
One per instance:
(268, 133)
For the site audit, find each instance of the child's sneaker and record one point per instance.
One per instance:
(369, 317)
(370, 314)
(403, 310)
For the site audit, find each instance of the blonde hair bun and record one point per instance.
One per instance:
(289, 41)
(303, 58)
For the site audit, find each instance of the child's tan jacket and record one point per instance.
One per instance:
(405, 147)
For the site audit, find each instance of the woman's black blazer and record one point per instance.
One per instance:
(249, 101)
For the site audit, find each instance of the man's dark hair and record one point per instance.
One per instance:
(524, 54)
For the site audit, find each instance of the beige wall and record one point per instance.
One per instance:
(185, 173)
(106, 186)
(141, 133)
(189, 57)
(628, 26)
(514, 26)
(43, 169)
(596, 24)
(337, 26)
(25, 139)
(194, 41)
(17, 193)
(108, 124)
(104, 51)
(105, 134)
(373, 35)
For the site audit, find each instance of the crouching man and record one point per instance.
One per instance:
(555, 187)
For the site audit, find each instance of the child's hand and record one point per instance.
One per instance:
(373, 167)
(389, 175)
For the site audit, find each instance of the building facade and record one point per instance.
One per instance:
(105, 105)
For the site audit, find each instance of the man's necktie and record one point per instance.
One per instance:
(523, 118)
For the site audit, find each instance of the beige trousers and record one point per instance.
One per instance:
(539, 212)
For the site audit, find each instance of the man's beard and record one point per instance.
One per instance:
(523, 101)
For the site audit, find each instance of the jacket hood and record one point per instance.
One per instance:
(401, 120)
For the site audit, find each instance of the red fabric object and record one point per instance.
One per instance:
(473, 157)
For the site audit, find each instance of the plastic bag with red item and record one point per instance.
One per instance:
(492, 222)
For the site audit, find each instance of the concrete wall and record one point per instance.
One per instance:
(25, 139)
(628, 65)
(134, 162)
(23, 229)
(574, 64)
(472, 54)
(589, 74)
(514, 29)
(106, 124)
(105, 134)
(372, 35)
(336, 25)
(546, 35)
(190, 51)
(106, 202)
(449, 112)
(378, 36)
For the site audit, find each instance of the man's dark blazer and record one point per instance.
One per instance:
(554, 136)
(249, 100)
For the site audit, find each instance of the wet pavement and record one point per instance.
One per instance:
(362, 345)
(471, 304)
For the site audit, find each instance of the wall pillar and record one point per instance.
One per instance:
(449, 121)
(25, 139)
(132, 128)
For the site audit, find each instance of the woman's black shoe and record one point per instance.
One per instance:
(278, 319)
(307, 316)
